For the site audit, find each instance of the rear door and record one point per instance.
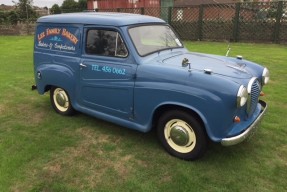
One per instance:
(106, 74)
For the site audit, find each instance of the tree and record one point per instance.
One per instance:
(82, 5)
(24, 9)
(13, 17)
(3, 17)
(9, 17)
(69, 6)
(55, 9)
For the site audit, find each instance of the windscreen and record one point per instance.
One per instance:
(152, 38)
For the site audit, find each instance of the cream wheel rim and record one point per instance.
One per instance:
(61, 99)
(180, 136)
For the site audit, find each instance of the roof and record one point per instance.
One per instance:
(100, 18)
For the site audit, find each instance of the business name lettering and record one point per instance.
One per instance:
(58, 31)
(54, 31)
(70, 36)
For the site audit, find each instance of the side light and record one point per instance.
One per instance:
(262, 93)
(236, 119)
(265, 76)
(242, 96)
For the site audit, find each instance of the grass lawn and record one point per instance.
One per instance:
(43, 151)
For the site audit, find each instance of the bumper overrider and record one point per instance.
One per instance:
(249, 131)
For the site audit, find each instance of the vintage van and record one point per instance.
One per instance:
(134, 71)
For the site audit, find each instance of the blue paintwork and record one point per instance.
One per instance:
(128, 91)
(111, 19)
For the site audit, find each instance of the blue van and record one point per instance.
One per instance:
(133, 70)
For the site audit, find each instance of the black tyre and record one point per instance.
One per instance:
(60, 101)
(182, 135)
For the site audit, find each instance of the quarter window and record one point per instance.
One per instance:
(105, 43)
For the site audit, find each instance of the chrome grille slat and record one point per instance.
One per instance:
(254, 90)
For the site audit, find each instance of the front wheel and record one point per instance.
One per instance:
(60, 101)
(182, 135)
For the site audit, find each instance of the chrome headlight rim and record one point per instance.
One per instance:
(242, 96)
(265, 76)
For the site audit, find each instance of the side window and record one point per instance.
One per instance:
(105, 43)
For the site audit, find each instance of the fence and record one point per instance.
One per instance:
(248, 22)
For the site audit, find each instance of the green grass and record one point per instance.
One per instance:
(43, 151)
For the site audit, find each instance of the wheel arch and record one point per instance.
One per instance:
(55, 75)
(168, 107)
(48, 88)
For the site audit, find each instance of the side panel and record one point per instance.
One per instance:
(107, 86)
(106, 81)
(56, 56)
(104, 88)
(213, 98)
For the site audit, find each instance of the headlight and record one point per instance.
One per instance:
(242, 96)
(265, 76)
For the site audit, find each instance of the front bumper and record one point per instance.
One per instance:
(249, 131)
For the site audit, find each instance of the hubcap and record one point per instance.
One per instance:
(61, 100)
(180, 136)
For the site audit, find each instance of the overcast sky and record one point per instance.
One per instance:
(39, 3)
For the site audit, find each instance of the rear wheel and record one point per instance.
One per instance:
(60, 101)
(182, 135)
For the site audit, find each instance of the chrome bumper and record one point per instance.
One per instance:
(249, 131)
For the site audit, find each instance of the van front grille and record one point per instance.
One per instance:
(254, 90)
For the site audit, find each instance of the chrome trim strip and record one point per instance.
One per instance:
(249, 131)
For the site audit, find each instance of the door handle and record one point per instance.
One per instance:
(83, 66)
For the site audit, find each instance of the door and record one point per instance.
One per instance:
(106, 74)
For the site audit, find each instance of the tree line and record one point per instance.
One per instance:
(24, 10)
(69, 6)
